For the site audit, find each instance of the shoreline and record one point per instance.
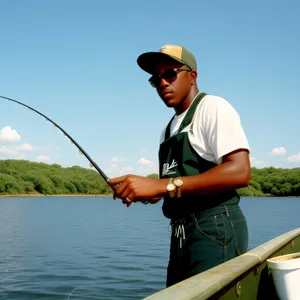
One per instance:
(55, 195)
(111, 195)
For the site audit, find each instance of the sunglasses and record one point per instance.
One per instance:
(168, 75)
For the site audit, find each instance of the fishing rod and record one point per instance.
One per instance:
(81, 150)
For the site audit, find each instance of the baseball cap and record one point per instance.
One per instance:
(148, 60)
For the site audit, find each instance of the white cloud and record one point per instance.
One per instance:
(47, 148)
(42, 158)
(117, 160)
(10, 151)
(15, 151)
(24, 147)
(145, 170)
(7, 134)
(294, 158)
(126, 170)
(257, 163)
(278, 151)
(18, 152)
(144, 161)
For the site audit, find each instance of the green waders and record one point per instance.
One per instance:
(207, 230)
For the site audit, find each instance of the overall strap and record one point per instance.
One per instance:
(168, 129)
(191, 111)
(188, 117)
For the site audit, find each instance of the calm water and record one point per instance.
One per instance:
(96, 248)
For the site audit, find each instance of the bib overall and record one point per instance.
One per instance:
(207, 230)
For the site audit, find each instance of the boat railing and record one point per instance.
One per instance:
(244, 277)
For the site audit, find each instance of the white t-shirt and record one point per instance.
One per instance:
(215, 130)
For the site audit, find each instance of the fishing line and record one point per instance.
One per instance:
(81, 150)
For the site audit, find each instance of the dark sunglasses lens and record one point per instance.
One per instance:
(169, 74)
(155, 80)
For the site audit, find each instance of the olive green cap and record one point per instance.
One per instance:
(148, 60)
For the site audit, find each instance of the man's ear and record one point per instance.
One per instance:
(193, 75)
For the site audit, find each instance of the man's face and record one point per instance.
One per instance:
(173, 90)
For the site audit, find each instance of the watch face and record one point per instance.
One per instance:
(170, 187)
(178, 181)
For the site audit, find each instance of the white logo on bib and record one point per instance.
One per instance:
(167, 168)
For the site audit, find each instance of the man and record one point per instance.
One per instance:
(204, 158)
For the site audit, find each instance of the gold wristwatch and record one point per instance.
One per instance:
(171, 188)
(178, 182)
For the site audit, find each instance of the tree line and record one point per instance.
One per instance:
(25, 177)
(273, 182)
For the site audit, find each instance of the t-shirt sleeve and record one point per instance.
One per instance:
(223, 128)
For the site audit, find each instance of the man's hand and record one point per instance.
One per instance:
(133, 188)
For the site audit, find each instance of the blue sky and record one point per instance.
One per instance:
(75, 61)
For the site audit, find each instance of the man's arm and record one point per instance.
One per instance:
(232, 173)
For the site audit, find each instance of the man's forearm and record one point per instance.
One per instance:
(224, 177)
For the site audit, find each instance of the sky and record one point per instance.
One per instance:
(75, 62)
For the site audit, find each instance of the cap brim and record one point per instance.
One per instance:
(148, 61)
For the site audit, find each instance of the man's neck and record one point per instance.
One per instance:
(185, 104)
